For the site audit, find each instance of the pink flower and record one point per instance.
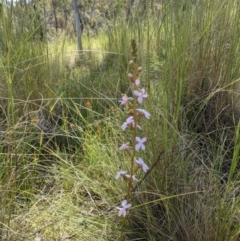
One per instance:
(142, 164)
(133, 177)
(128, 122)
(140, 143)
(124, 100)
(137, 82)
(144, 112)
(123, 210)
(120, 174)
(140, 94)
(124, 146)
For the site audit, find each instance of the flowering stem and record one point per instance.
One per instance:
(138, 142)
(135, 74)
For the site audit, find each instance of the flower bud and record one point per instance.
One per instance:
(139, 69)
(88, 104)
(130, 76)
(131, 62)
(130, 111)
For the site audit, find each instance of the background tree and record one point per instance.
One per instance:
(128, 12)
(79, 26)
(54, 7)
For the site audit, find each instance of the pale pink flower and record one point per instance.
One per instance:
(123, 210)
(142, 164)
(120, 174)
(124, 146)
(144, 112)
(140, 143)
(128, 122)
(137, 82)
(124, 100)
(133, 177)
(140, 94)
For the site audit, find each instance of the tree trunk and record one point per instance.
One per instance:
(54, 6)
(66, 17)
(144, 5)
(128, 13)
(78, 27)
(91, 12)
(37, 23)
